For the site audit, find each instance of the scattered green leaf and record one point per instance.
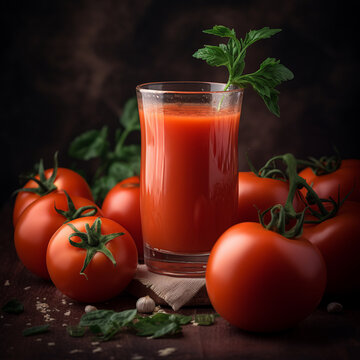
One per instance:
(35, 330)
(205, 319)
(13, 306)
(76, 330)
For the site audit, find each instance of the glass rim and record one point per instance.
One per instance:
(141, 88)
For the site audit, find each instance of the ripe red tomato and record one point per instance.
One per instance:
(345, 179)
(261, 193)
(122, 204)
(66, 179)
(260, 281)
(338, 239)
(103, 279)
(37, 224)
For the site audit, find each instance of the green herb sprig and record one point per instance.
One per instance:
(117, 160)
(232, 55)
(107, 323)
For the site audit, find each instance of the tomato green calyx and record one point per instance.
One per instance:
(279, 220)
(269, 170)
(45, 186)
(93, 241)
(74, 213)
(324, 165)
(281, 215)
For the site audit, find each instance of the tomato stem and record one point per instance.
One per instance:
(92, 241)
(45, 186)
(73, 213)
(282, 214)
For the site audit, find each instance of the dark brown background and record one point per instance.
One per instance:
(69, 66)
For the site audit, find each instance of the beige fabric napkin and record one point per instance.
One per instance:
(167, 290)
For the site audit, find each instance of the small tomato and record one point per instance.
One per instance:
(122, 204)
(91, 259)
(39, 221)
(338, 240)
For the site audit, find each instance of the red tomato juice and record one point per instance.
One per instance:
(189, 167)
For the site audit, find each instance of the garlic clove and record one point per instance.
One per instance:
(145, 304)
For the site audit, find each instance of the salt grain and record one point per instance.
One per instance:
(51, 344)
(98, 349)
(67, 313)
(136, 357)
(166, 352)
(7, 283)
(27, 288)
(75, 351)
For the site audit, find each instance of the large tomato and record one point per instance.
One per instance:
(256, 193)
(122, 204)
(258, 280)
(66, 179)
(345, 180)
(102, 279)
(37, 224)
(338, 239)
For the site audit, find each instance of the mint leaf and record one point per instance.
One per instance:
(232, 55)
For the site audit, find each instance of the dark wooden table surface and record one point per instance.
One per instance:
(321, 336)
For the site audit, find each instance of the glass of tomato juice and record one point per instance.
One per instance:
(189, 172)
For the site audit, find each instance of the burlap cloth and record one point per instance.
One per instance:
(167, 290)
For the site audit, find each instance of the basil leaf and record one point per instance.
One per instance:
(90, 144)
(204, 319)
(76, 331)
(13, 306)
(130, 116)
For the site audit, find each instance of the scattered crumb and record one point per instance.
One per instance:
(136, 357)
(38, 339)
(63, 301)
(166, 352)
(27, 288)
(51, 344)
(67, 313)
(44, 298)
(64, 324)
(194, 323)
(98, 349)
(1, 316)
(7, 283)
(95, 343)
(71, 303)
(42, 307)
(75, 351)
(90, 308)
(118, 345)
(48, 318)
(334, 307)
(28, 324)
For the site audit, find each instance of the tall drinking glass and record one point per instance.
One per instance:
(188, 176)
